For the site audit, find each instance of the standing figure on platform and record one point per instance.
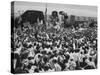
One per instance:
(54, 18)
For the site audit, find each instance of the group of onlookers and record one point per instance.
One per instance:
(41, 51)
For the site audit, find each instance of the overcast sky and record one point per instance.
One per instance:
(79, 10)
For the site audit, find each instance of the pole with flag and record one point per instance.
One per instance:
(46, 15)
(46, 12)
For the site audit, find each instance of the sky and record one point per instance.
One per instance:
(78, 10)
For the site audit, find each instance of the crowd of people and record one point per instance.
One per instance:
(55, 48)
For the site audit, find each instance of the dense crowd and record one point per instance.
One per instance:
(54, 49)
